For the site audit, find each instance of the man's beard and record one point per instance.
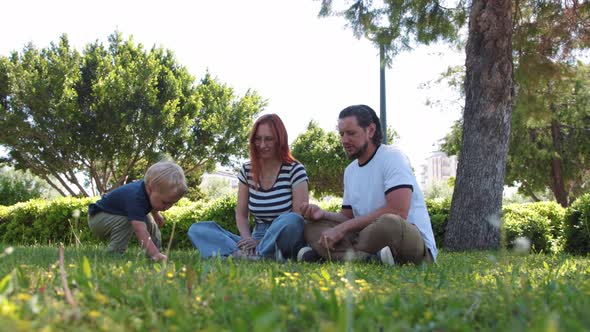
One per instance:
(359, 152)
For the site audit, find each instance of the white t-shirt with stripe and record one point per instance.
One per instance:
(365, 187)
(267, 205)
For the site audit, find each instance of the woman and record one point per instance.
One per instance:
(273, 186)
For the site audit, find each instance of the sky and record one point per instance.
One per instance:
(308, 68)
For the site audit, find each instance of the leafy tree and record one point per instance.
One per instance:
(324, 159)
(19, 186)
(111, 111)
(397, 24)
(489, 93)
(549, 139)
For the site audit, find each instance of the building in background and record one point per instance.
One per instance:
(438, 167)
(220, 174)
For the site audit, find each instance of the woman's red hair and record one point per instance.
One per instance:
(281, 140)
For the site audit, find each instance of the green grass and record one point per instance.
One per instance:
(478, 291)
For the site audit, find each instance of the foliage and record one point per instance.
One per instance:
(549, 139)
(510, 293)
(439, 209)
(19, 186)
(41, 221)
(395, 25)
(520, 221)
(215, 188)
(111, 111)
(439, 189)
(324, 159)
(577, 226)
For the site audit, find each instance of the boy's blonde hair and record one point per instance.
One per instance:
(166, 176)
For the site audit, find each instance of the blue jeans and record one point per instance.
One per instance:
(285, 233)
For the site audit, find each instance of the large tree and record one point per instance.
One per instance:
(488, 85)
(550, 138)
(477, 199)
(111, 111)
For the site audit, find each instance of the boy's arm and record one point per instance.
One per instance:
(158, 218)
(146, 242)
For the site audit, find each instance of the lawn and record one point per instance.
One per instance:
(478, 291)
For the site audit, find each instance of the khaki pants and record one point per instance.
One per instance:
(391, 230)
(118, 230)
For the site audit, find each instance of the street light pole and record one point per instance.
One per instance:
(383, 116)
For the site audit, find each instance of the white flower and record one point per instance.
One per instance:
(76, 213)
(8, 250)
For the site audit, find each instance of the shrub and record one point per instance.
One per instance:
(577, 226)
(520, 220)
(334, 204)
(439, 209)
(40, 221)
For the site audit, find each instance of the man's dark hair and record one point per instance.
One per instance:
(364, 116)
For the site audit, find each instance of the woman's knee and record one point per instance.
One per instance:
(291, 221)
(200, 228)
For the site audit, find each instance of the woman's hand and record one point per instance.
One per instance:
(248, 244)
(312, 212)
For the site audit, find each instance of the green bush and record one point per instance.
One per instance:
(334, 204)
(577, 226)
(439, 217)
(520, 220)
(184, 215)
(40, 221)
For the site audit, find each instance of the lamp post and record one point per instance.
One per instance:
(382, 115)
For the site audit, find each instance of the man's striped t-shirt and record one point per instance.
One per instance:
(267, 205)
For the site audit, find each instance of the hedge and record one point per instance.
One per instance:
(40, 221)
(577, 226)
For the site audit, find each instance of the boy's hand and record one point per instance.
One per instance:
(160, 221)
(159, 257)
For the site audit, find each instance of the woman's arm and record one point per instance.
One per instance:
(242, 211)
(300, 196)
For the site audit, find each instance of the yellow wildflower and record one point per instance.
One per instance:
(93, 314)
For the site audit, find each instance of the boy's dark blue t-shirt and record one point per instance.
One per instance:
(130, 200)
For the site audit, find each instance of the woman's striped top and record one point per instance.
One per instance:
(267, 205)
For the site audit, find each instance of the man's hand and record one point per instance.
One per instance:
(160, 221)
(248, 244)
(312, 212)
(330, 237)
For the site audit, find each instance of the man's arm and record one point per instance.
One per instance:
(140, 229)
(396, 202)
(313, 212)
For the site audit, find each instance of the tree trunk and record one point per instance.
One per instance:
(557, 184)
(474, 219)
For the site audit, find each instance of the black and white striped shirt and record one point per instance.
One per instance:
(267, 205)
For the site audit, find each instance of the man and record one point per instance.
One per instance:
(383, 213)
